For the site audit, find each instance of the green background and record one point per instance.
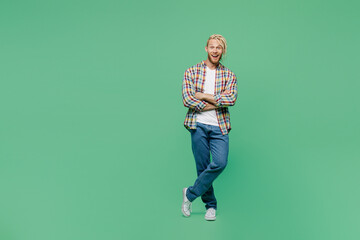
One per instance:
(92, 143)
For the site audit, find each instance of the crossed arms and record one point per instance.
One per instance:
(209, 99)
(203, 101)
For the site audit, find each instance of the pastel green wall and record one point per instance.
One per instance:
(92, 144)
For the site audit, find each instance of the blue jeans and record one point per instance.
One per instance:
(207, 139)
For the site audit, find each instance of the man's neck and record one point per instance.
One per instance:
(210, 64)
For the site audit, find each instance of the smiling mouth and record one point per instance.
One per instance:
(215, 56)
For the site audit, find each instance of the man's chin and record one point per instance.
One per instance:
(214, 61)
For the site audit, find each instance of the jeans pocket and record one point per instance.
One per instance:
(191, 130)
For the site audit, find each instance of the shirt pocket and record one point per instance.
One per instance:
(221, 86)
(199, 82)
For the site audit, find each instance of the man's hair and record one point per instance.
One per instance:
(221, 40)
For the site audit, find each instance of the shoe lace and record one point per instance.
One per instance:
(188, 205)
(211, 211)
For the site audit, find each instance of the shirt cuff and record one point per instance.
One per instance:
(217, 98)
(200, 106)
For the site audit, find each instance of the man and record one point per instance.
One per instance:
(209, 88)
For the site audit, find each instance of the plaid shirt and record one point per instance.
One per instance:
(193, 81)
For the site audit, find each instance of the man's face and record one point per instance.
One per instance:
(214, 50)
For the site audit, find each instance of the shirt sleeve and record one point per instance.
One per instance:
(188, 93)
(228, 99)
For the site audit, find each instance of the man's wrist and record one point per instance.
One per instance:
(208, 107)
(206, 96)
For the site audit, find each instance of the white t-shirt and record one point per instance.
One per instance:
(208, 117)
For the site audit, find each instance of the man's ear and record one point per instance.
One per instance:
(206, 48)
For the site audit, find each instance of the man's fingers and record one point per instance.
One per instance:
(198, 95)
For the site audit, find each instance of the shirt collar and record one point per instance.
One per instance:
(220, 66)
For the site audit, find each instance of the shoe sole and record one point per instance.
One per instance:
(210, 219)
(182, 206)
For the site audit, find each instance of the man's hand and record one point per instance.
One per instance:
(199, 95)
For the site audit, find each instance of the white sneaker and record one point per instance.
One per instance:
(186, 205)
(210, 214)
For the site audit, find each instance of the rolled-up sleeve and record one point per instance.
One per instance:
(188, 93)
(228, 99)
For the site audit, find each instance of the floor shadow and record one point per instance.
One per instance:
(196, 213)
